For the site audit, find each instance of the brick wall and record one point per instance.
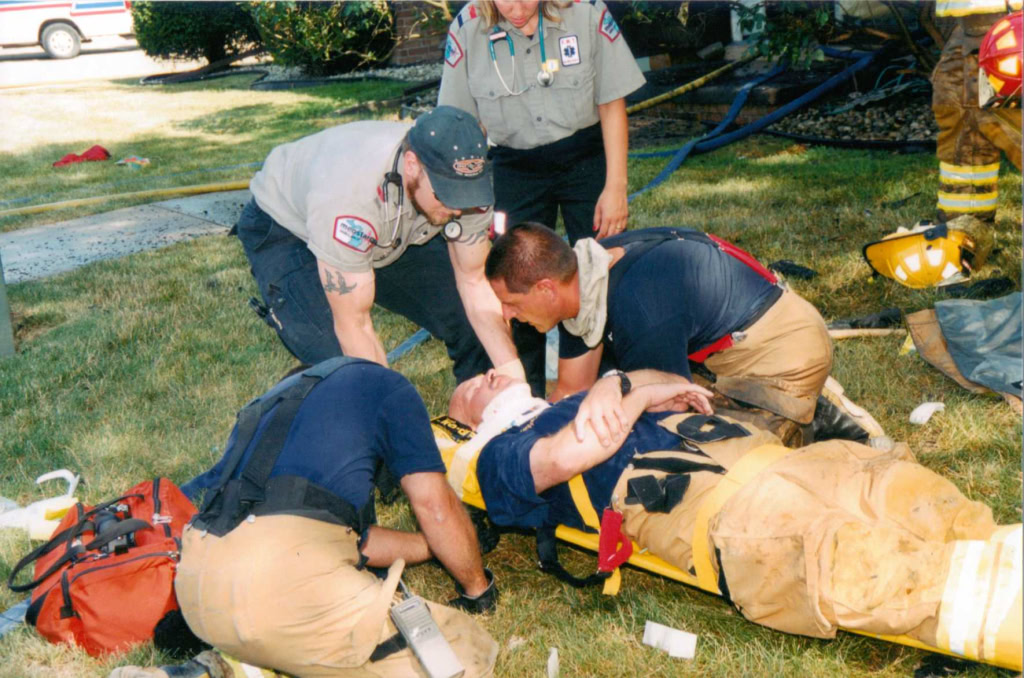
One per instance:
(415, 43)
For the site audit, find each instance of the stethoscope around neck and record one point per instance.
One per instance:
(546, 74)
(451, 231)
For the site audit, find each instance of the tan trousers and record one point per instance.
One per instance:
(283, 592)
(970, 139)
(838, 534)
(782, 363)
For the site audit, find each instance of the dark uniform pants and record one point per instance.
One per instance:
(533, 185)
(420, 286)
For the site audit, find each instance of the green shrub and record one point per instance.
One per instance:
(324, 38)
(193, 30)
(792, 31)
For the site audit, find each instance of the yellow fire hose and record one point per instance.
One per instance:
(236, 185)
(690, 86)
(154, 193)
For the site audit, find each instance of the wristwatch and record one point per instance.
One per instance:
(625, 385)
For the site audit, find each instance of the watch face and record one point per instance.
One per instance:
(452, 230)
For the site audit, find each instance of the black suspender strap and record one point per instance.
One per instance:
(248, 422)
(249, 419)
(230, 497)
(271, 443)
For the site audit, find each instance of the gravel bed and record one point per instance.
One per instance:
(896, 119)
(905, 117)
(413, 73)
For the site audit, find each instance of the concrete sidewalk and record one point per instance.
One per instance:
(39, 252)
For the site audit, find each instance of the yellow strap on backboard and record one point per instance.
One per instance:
(581, 497)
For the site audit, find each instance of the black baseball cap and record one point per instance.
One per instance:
(452, 148)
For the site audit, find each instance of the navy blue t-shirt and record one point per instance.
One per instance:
(674, 299)
(503, 469)
(361, 415)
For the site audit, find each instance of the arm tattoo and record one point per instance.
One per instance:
(336, 283)
(473, 238)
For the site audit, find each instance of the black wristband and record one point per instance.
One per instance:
(625, 385)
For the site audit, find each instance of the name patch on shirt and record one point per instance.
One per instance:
(608, 28)
(569, 50)
(452, 51)
(354, 233)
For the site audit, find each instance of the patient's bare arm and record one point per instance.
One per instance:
(557, 458)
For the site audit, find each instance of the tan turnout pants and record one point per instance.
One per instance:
(838, 534)
(283, 592)
(781, 363)
(970, 138)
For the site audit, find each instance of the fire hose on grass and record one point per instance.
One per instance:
(153, 193)
(716, 138)
(711, 141)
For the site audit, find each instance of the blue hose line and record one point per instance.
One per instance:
(783, 111)
(681, 154)
(407, 345)
(850, 54)
(713, 141)
(734, 110)
(13, 617)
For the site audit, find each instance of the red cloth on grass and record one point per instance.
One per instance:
(95, 153)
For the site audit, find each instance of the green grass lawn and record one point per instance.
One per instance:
(187, 131)
(136, 367)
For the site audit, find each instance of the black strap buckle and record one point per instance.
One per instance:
(547, 555)
(259, 307)
(693, 429)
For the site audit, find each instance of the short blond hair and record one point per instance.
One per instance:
(490, 15)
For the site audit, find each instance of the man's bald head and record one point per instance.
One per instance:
(472, 396)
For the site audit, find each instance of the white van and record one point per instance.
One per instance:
(61, 27)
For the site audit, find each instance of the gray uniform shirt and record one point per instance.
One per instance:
(595, 66)
(328, 189)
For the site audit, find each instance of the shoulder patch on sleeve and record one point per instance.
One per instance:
(452, 51)
(607, 26)
(467, 14)
(354, 232)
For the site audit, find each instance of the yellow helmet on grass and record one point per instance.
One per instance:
(926, 256)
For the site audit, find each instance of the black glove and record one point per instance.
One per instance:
(476, 604)
(792, 270)
(487, 534)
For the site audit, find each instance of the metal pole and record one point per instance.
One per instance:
(6, 328)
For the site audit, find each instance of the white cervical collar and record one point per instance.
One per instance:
(511, 407)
